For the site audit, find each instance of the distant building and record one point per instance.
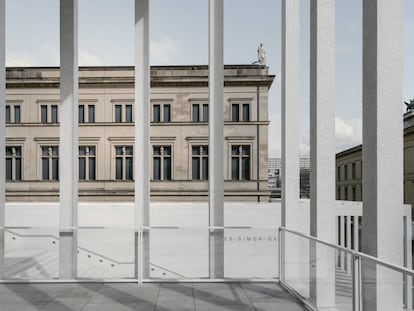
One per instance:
(349, 168)
(179, 133)
(274, 173)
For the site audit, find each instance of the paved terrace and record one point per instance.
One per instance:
(163, 297)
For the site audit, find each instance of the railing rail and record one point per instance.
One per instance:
(356, 265)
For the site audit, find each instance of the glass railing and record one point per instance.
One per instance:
(308, 268)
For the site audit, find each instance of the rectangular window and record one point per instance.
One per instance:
(43, 112)
(200, 113)
(353, 176)
(346, 171)
(240, 112)
(12, 114)
(161, 113)
(235, 112)
(81, 112)
(118, 113)
(14, 163)
(8, 118)
(240, 162)
(338, 173)
(162, 163)
(50, 163)
(87, 163)
(196, 113)
(54, 114)
(91, 113)
(124, 162)
(199, 162)
(246, 113)
(128, 113)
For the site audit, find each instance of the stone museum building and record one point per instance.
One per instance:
(179, 133)
(349, 167)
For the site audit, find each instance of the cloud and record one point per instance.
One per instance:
(163, 51)
(20, 59)
(348, 133)
(89, 59)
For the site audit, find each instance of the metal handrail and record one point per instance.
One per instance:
(352, 252)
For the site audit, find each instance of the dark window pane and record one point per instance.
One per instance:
(119, 151)
(195, 150)
(16, 114)
(235, 168)
(81, 112)
(205, 113)
(196, 113)
(54, 114)
(167, 150)
(156, 113)
(82, 150)
(55, 168)
(9, 168)
(118, 113)
(91, 113)
(43, 110)
(92, 150)
(246, 113)
(9, 151)
(82, 168)
(45, 151)
(92, 170)
(18, 169)
(157, 168)
(205, 168)
(128, 168)
(196, 168)
(55, 150)
(246, 150)
(167, 168)
(128, 150)
(7, 114)
(235, 112)
(45, 168)
(128, 113)
(167, 113)
(18, 151)
(118, 173)
(205, 150)
(246, 168)
(157, 150)
(234, 150)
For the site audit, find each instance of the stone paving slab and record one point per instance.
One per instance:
(151, 297)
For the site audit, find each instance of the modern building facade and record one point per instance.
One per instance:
(349, 167)
(179, 133)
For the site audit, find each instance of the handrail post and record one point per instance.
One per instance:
(356, 282)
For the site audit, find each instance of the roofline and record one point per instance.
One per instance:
(349, 151)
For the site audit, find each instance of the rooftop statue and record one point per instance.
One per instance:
(410, 105)
(261, 55)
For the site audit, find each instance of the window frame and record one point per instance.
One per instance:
(50, 108)
(200, 157)
(123, 105)
(124, 157)
(50, 157)
(14, 157)
(240, 105)
(87, 158)
(162, 114)
(162, 158)
(202, 116)
(240, 157)
(11, 108)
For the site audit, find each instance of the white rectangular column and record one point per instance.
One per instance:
(322, 148)
(68, 148)
(290, 108)
(216, 137)
(142, 138)
(2, 129)
(382, 226)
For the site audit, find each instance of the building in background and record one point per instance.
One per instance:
(274, 173)
(349, 168)
(179, 133)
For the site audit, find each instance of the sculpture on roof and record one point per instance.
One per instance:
(261, 55)
(410, 105)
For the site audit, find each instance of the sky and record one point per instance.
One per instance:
(179, 36)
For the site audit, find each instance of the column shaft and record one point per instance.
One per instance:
(382, 229)
(216, 136)
(322, 149)
(290, 107)
(142, 128)
(68, 148)
(2, 129)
